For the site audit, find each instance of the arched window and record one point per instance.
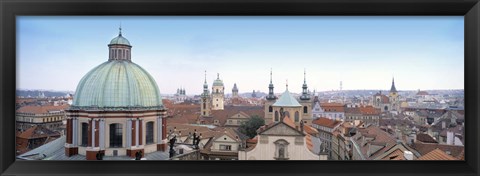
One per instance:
(270, 109)
(297, 116)
(276, 116)
(204, 105)
(84, 142)
(386, 108)
(149, 135)
(217, 92)
(305, 109)
(116, 136)
(287, 114)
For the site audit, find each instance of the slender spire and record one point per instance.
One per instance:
(304, 76)
(270, 75)
(393, 88)
(218, 75)
(120, 29)
(205, 76)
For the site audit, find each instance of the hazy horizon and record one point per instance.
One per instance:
(426, 53)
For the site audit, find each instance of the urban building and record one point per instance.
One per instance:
(283, 140)
(325, 128)
(48, 116)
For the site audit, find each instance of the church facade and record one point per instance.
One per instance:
(390, 103)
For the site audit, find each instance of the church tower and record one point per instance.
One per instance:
(218, 94)
(271, 98)
(235, 90)
(394, 97)
(306, 101)
(206, 102)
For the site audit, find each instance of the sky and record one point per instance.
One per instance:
(54, 52)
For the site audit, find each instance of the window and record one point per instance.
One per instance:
(116, 135)
(204, 105)
(216, 92)
(305, 109)
(225, 147)
(149, 135)
(270, 109)
(276, 115)
(297, 116)
(84, 142)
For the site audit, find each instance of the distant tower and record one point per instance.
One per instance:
(306, 101)
(254, 95)
(217, 94)
(235, 90)
(271, 98)
(341, 92)
(206, 102)
(394, 97)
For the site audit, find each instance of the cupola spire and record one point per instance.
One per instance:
(120, 29)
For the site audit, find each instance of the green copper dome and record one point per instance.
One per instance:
(117, 84)
(287, 100)
(218, 81)
(119, 40)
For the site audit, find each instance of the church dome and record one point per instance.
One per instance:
(119, 40)
(218, 81)
(117, 84)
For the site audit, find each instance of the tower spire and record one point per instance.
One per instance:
(304, 76)
(120, 29)
(205, 76)
(270, 75)
(393, 88)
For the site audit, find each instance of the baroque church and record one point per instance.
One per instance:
(117, 109)
(299, 110)
(390, 103)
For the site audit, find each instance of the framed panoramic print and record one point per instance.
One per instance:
(239, 87)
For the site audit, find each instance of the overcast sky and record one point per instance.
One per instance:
(54, 53)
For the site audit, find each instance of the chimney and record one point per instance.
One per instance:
(408, 155)
(443, 124)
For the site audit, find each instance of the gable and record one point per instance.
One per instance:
(224, 138)
(239, 115)
(281, 129)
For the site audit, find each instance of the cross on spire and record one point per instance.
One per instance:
(120, 29)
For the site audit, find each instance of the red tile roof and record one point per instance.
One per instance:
(424, 148)
(436, 154)
(326, 122)
(41, 109)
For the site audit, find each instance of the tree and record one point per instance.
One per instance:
(250, 127)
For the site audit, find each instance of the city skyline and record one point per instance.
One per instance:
(362, 52)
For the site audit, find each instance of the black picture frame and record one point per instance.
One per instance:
(9, 9)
